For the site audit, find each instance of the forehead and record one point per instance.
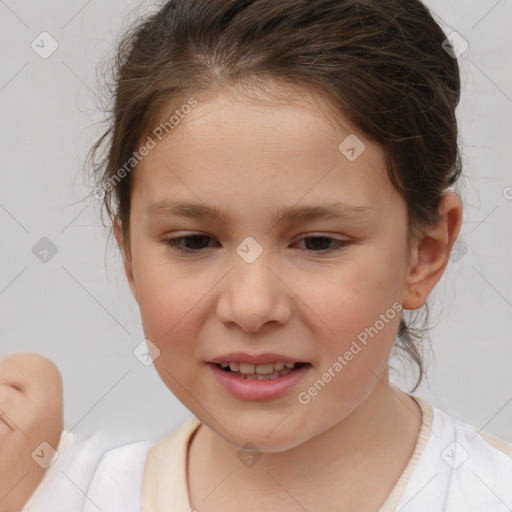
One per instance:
(286, 117)
(253, 149)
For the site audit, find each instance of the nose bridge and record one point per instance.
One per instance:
(253, 295)
(251, 274)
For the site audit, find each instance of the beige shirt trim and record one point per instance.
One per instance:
(426, 426)
(164, 485)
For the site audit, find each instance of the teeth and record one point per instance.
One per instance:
(263, 370)
(245, 367)
(268, 376)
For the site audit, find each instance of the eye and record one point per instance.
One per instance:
(196, 241)
(322, 243)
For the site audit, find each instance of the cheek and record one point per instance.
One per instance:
(167, 313)
(351, 295)
(170, 306)
(354, 311)
(164, 297)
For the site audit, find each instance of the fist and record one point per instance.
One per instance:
(31, 413)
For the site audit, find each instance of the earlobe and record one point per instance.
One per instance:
(431, 252)
(118, 233)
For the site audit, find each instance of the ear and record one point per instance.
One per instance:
(430, 252)
(118, 233)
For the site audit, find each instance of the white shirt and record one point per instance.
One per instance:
(453, 468)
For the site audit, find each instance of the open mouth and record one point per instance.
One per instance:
(269, 371)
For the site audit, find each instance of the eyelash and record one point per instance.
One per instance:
(173, 242)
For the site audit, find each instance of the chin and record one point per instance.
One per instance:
(268, 436)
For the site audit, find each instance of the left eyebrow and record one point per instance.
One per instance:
(336, 210)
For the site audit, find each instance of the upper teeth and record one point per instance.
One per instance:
(261, 369)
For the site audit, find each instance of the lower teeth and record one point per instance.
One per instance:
(256, 376)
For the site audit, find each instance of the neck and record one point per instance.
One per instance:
(372, 444)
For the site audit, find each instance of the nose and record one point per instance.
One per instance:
(254, 295)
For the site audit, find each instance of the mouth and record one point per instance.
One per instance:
(269, 371)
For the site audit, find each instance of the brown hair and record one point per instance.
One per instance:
(379, 63)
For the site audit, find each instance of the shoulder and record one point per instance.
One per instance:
(495, 442)
(116, 485)
(467, 443)
(90, 472)
(460, 469)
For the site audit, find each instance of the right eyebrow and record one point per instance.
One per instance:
(187, 209)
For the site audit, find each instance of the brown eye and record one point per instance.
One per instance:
(193, 243)
(323, 243)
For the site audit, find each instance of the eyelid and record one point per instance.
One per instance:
(322, 234)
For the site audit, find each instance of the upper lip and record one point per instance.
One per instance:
(242, 357)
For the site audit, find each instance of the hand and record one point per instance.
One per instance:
(31, 413)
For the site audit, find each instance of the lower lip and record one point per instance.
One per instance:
(258, 389)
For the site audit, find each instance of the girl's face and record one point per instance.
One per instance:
(322, 287)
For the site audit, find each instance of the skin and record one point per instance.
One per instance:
(31, 413)
(253, 155)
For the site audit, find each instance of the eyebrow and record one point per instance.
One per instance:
(334, 210)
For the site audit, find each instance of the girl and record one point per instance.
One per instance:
(278, 176)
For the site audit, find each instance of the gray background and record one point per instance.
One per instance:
(77, 308)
